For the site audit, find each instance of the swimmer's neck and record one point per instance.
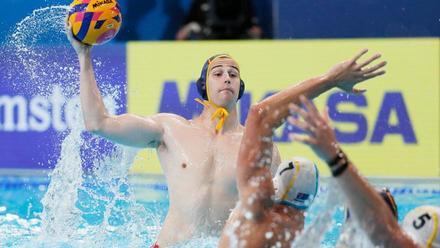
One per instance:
(231, 123)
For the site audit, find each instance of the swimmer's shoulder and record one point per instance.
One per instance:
(169, 118)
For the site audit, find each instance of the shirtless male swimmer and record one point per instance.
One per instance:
(198, 156)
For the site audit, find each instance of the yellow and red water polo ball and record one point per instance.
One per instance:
(94, 21)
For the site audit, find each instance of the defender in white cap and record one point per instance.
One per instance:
(422, 225)
(296, 183)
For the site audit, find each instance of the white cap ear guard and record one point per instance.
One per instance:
(296, 183)
(422, 225)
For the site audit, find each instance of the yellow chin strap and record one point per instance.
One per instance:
(220, 113)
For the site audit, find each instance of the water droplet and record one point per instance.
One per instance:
(268, 235)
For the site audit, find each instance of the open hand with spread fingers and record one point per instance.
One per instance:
(347, 74)
(320, 136)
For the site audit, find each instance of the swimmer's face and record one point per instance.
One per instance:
(224, 82)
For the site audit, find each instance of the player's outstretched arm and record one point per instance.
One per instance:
(366, 206)
(126, 129)
(256, 147)
(345, 75)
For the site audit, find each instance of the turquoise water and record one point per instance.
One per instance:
(106, 210)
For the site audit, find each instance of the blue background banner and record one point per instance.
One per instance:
(39, 102)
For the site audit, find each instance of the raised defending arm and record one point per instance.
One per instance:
(366, 206)
(253, 172)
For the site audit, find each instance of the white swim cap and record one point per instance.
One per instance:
(296, 183)
(422, 224)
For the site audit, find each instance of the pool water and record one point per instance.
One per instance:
(128, 212)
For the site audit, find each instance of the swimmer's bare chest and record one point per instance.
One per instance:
(195, 158)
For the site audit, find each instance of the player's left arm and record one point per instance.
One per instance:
(255, 156)
(345, 76)
(254, 179)
(276, 159)
(367, 207)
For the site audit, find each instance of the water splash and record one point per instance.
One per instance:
(89, 201)
(42, 67)
(60, 215)
(95, 208)
(313, 234)
(353, 236)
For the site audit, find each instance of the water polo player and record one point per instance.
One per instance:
(197, 156)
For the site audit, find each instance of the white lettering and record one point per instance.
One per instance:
(73, 113)
(9, 103)
(58, 101)
(40, 118)
(18, 114)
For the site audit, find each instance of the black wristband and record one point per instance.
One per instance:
(339, 170)
(338, 164)
(334, 161)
